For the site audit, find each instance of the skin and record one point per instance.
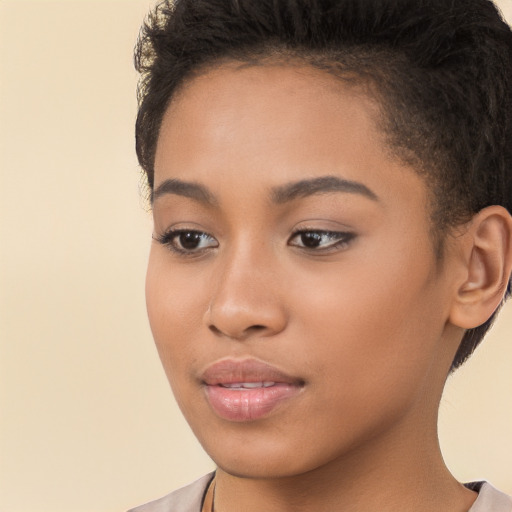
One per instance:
(366, 325)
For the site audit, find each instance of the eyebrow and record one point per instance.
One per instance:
(279, 195)
(321, 185)
(184, 188)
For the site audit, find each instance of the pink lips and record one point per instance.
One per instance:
(247, 390)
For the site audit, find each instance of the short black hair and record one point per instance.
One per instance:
(441, 70)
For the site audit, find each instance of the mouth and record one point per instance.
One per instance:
(248, 385)
(247, 390)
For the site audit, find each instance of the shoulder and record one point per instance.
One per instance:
(490, 499)
(186, 499)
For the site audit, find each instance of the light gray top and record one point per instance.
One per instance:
(491, 500)
(186, 499)
(189, 499)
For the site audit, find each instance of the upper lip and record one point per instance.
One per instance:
(230, 371)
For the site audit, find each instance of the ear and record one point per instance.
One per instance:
(487, 260)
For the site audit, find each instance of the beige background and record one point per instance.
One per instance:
(87, 422)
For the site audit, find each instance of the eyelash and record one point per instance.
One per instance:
(339, 240)
(169, 240)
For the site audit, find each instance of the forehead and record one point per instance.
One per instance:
(263, 126)
(261, 106)
(238, 86)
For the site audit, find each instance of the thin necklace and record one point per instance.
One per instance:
(209, 497)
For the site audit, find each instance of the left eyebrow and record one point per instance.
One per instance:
(321, 185)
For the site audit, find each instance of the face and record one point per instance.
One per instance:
(292, 289)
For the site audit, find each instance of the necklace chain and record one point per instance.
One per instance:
(209, 498)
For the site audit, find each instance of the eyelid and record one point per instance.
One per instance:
(168, 237)
(340, 241)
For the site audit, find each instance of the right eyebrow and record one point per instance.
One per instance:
(185, 189)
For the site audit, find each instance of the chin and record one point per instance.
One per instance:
(258, 469)
(260, 459)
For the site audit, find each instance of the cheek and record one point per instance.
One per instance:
(374, 325)
(175, 309)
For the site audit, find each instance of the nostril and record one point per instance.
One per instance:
(241, 334)
(214, 329)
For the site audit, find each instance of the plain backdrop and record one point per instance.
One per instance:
(87, 422)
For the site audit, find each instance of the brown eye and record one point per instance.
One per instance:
(189, 240)
(186, 241)
(310, 239)
(321, 240)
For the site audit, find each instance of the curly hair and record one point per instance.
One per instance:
(441, 70)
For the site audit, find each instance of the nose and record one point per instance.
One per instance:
(246, 301)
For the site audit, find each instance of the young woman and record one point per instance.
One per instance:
(331, 187)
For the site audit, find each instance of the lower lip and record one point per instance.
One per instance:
(248, 404)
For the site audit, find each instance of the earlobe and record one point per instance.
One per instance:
(488, 264)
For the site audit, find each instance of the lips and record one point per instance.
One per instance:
(247, 390)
